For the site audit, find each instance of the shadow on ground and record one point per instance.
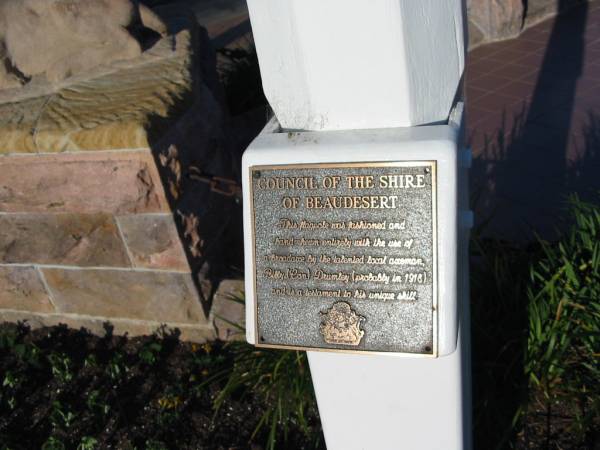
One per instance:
(520, 184)
(199, 157)
(548, 150)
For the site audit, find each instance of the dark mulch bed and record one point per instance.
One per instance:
(61, 388)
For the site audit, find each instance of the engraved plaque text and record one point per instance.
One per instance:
(345, 256)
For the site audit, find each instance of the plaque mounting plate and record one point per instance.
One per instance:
(345, 256)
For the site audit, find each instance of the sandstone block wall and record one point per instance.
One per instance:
(493, 20)
(98, 222)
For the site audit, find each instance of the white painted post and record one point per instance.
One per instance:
(355, 64)
(351, 65)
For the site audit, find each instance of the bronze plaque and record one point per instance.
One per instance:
(345, 256)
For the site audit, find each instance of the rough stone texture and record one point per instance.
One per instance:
(476, 36)
(14, 118)
(194, 333)
(61, 239)
(78, 183)
(125, 105)
(7, 79)
(153, 242)
(226, 312)
(154, 296)
(95, 171)
(495, 19)
(58, 38)
(21, 288)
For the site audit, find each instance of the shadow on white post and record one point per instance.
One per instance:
(389, 73)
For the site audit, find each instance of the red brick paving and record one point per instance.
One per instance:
(533, 106)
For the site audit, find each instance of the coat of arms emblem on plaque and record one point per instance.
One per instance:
(341, 325)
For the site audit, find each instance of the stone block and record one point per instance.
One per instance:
(15, 118)
(226, 311)
(126, 105)
(21, 288)
(61, 239)
(497, 19)
(58, 39)
(117, 110)
(164, 297)
(476, 36)
(111, 182)
(153, 242)
(84, 156)
(97, 326)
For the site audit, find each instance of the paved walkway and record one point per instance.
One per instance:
(534, 122)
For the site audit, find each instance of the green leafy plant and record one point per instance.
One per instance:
(95, 403)
(27, 353)
(60, 365)
(563, 344)
(53, 443)
(152, 444)
(90, 361)
(60, 416)
(87, 443)
(169, 407)
(281, 378)
(9, 385)
(116, 367)
(10, 380)
(113, 397)
(499, 279)
(150, 352)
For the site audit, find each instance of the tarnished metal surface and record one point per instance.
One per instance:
(345, 256)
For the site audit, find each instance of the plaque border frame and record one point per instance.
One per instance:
(331, 165)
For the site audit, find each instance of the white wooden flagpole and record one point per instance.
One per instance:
(378, 64)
